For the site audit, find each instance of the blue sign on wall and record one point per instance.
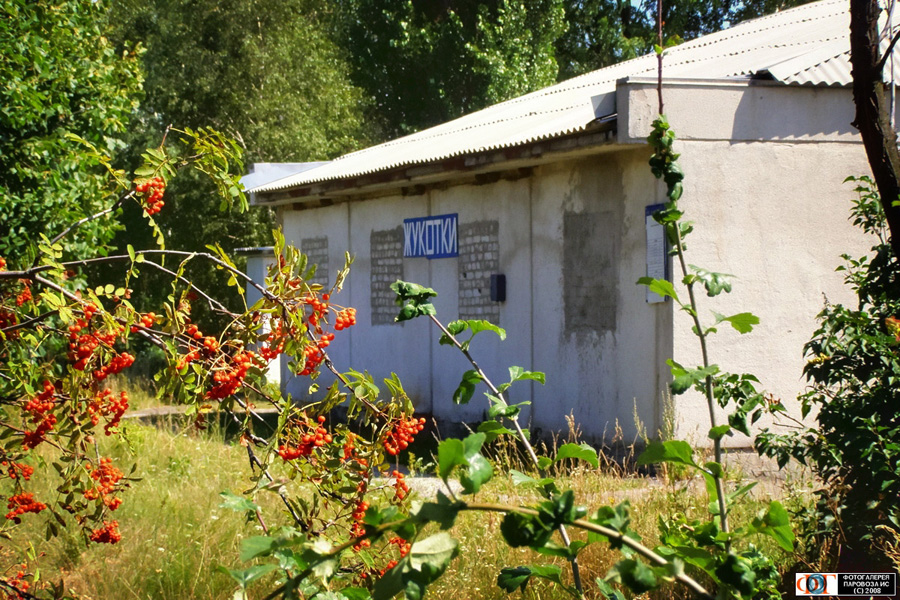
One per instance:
(431, 237)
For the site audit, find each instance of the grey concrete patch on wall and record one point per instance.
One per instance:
(316, 250)
(386, 252)
(590, 252)
(479, 258)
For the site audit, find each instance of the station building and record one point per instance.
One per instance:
(550, 194)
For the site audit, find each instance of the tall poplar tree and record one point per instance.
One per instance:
(262, 71)
(61, 78)
(424, 62)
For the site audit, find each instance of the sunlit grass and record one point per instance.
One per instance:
(473, 575)
(141, 392)
(175, 535)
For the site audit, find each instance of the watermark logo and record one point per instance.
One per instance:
(816, 584)
(845, 584)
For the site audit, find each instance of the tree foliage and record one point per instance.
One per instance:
(601, 33)
(853, 369)
(263, 71)
(61, 76)
(428, 62)
(604, 32)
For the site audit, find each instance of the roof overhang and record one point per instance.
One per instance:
(801, 48)
(476, 168)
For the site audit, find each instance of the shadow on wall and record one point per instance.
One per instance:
(767, 113)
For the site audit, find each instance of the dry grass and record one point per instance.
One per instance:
(175, 535)
(474, 573)
(141, 391)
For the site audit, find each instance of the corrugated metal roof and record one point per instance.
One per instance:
(804, 45)
(265, 173)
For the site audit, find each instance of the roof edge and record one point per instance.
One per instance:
(477, 166)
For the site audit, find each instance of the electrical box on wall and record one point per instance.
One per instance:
(498, 288)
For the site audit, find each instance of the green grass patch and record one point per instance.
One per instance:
(175, 535)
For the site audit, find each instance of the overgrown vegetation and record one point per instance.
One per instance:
(335, 520)
(174, 508)
(853, 370)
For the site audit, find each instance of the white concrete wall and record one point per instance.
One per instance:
(738, 111)
(508, 202)
(597, 376)
(779, 223)
(331, 222)
(764, 170)
(429, 372)
(258, 262)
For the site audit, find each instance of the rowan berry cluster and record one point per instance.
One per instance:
(211, 344)
(401, 434)
(106, 404)
(107, 477)
(156, 188)
(43, 402)
(19, 584)
(17, 470)
(356, 528)
(390, 565)
(349, 447)
(313, 354)
(274, 343)
(312, 435)
(22, 503)
(402, 546)
(319, 309)
(41, 409)
(229, 380)
(345, 318)
(25, 295)
(117, 364)
(89, 310)
(401, 488)
(108, 534)
(312, 357)
(147, 321)
(83, 345)
(193, 331)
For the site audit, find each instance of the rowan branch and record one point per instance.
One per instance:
(576, 575)
(29, 322)
(607, 532)
(887, 54)
(90, 218)
(153, 339)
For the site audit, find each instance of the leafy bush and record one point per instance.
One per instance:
(854, 373)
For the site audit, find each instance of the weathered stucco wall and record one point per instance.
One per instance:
(570, 240)
(764, 168)
(600, 341)
(778, 222)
